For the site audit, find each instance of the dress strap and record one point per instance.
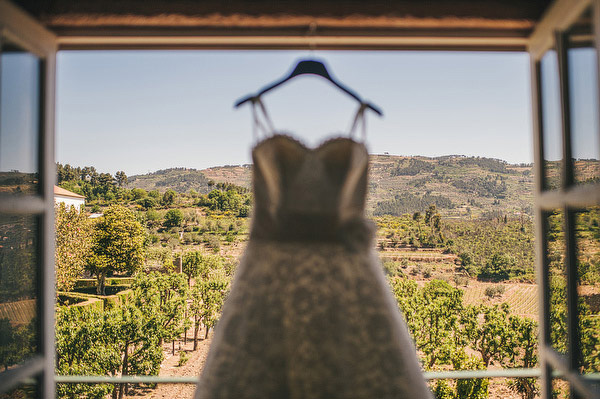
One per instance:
(359, 118)
(265, 125)
(262, 122)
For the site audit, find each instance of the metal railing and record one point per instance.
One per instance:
(428, 375)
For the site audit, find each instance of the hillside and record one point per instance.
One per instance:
(181, 180)
(458, 185)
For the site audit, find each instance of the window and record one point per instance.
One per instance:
(565, 80)
(567, 142)
(26, 202)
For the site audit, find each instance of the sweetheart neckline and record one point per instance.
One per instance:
(305, 147)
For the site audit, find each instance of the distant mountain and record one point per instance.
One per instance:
(458, 185)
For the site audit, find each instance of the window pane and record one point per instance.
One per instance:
(583, 90)
(23, 391)
(551, 120)
(587, 234)
(19, 120)
(18, 291)
(558, 282)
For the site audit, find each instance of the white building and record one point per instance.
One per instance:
(69, 198)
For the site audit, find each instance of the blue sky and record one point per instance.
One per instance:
(148, 110)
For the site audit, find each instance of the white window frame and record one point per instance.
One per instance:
(20, 29)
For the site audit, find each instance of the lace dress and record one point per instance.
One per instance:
(310, 314)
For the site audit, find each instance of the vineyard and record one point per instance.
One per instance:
(521, 298)
(20, 312)
(142, 286)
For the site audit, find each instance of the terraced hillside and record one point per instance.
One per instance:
(19, 312)
(426, 264)
(181, 180)
(459, 186)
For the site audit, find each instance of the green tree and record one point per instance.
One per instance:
(522, 345)
(193, 265)
(213, 293)
(17, 342)
(417, 218)
(117, 245)
(121, 178)
(429, 213)
(164, 296)
(490, 336)
(498, 267)
(440, 312)
(207, 300)
(476, 388)
(147, 203)
(84, 346)
(169, 197)
(72, 245)
(443, 390)
(135, 327)
(173, 218)
(138, 193)
(432, 314)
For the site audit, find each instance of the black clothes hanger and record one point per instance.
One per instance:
(312, 67)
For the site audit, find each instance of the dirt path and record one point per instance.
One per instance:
(498, 388)
(169, 368)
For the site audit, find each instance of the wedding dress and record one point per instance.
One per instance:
(310, 314)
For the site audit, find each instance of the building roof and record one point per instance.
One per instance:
(66, 193)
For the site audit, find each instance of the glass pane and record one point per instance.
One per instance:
(19, 120)
(583, 90)
(18, 292)
(23, 391)
(558, 282)
(551, 120)
(587, 234)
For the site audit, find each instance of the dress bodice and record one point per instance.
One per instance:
(308, 194)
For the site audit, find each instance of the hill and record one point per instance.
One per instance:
(458, 185)
(181, 180)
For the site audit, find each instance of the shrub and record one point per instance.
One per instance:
(138, 193)
(213, 242)
(392, 268)
(183, 358)
(461, 280)
(416, 270)
(495, 291)
(427, 273)
(173, 218)
(244, 211)
(169, 197)
(147, 202)
(465, 259)
(498, 267)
